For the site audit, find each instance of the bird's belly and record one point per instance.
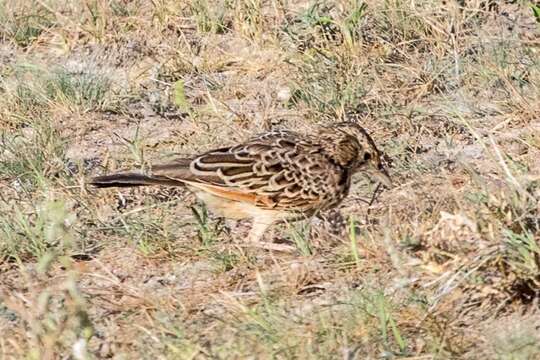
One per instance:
(236, 209)
(224, 207)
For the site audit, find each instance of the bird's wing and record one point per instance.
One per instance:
(277, 170)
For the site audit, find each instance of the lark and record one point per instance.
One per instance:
(274, 177)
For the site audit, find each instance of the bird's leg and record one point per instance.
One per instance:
(257, 231)
(255, 235)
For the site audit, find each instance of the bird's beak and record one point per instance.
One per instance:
(382, 176)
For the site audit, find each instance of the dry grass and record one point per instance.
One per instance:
(446, 265)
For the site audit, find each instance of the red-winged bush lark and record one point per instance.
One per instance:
(276, 176)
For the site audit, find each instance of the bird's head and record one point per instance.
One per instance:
(369, 159)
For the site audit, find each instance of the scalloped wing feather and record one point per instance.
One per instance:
(269, 171)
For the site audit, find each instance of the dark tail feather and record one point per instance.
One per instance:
(128, 179)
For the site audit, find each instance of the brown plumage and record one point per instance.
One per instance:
(278, 175)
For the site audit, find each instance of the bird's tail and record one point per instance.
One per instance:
(171, 174)
(128, 179)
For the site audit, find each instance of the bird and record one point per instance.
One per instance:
(276, 176)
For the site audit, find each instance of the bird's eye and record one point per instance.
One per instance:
(367, 156)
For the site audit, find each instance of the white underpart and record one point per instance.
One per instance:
(262, 218)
